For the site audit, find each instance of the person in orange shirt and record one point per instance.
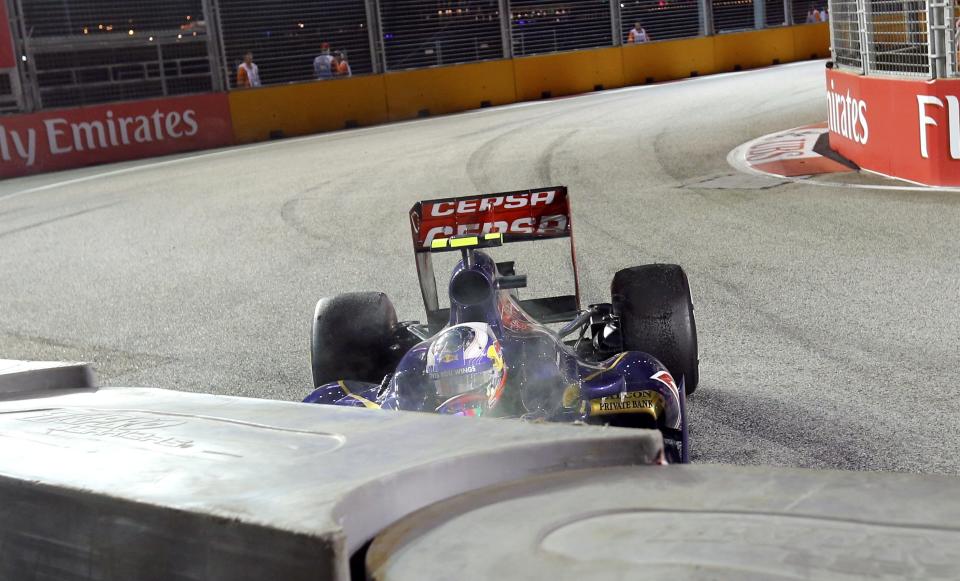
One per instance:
(342, 66)
(248, 75)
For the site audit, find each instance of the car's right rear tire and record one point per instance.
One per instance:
(656, 316)
(351, 338)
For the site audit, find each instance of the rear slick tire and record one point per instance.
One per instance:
(656, 317)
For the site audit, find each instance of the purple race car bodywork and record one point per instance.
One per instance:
(594, 380)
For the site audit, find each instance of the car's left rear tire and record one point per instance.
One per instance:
(351, 338)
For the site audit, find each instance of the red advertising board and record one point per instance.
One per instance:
(69, 138)
(8, 59)
(900, 128)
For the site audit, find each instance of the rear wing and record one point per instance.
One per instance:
(521, 216)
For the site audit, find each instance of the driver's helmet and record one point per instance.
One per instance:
(465, 366)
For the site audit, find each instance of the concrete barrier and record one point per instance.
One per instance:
(440, 90)
(67, 138)
(668, 60)
(568, 73)
(302, 109)
(147, 484)
(20, 378)
(811, 41)
(684, 522)
(314, 107)
(750, 50)
(902, 128)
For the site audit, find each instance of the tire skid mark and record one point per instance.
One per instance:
(289, 213)
(108, 361)
(806, 431)
(293, 214)
(9, 213)
(478, 161)
(545, 161)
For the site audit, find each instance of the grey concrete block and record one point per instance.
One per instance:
(122, 484)
(21, 378)
(684, 522)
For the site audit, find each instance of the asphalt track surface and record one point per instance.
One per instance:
(828, 317)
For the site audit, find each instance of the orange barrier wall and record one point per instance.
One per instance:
(668, 60)
(307, 108)
(568, 73)
(750, 50)
(323, 106)
(811, 41)
(442, 90)
(678, 59)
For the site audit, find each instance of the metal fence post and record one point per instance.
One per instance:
(759, 14)
(505, 34)
(215, 52)
(866, 52)
(30, 90)
(224, 71)
(163, 73)
(706, 17)
(616, 22)
(832, 24)
(378, 61)
(16, 89)
(934, 25)
(936, 46)
(788, 12)
(950, 40)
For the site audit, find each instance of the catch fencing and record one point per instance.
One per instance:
(82, 52)
(897, 38)
(72, 53)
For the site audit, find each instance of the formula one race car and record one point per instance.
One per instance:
(493, 354)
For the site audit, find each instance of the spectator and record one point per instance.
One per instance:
(637, 34)
(323, 64)
(813, 15)
(248, 75)
(343, 67)
(823, 15)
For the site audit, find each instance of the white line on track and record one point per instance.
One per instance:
(127, 170)
(246, 148)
